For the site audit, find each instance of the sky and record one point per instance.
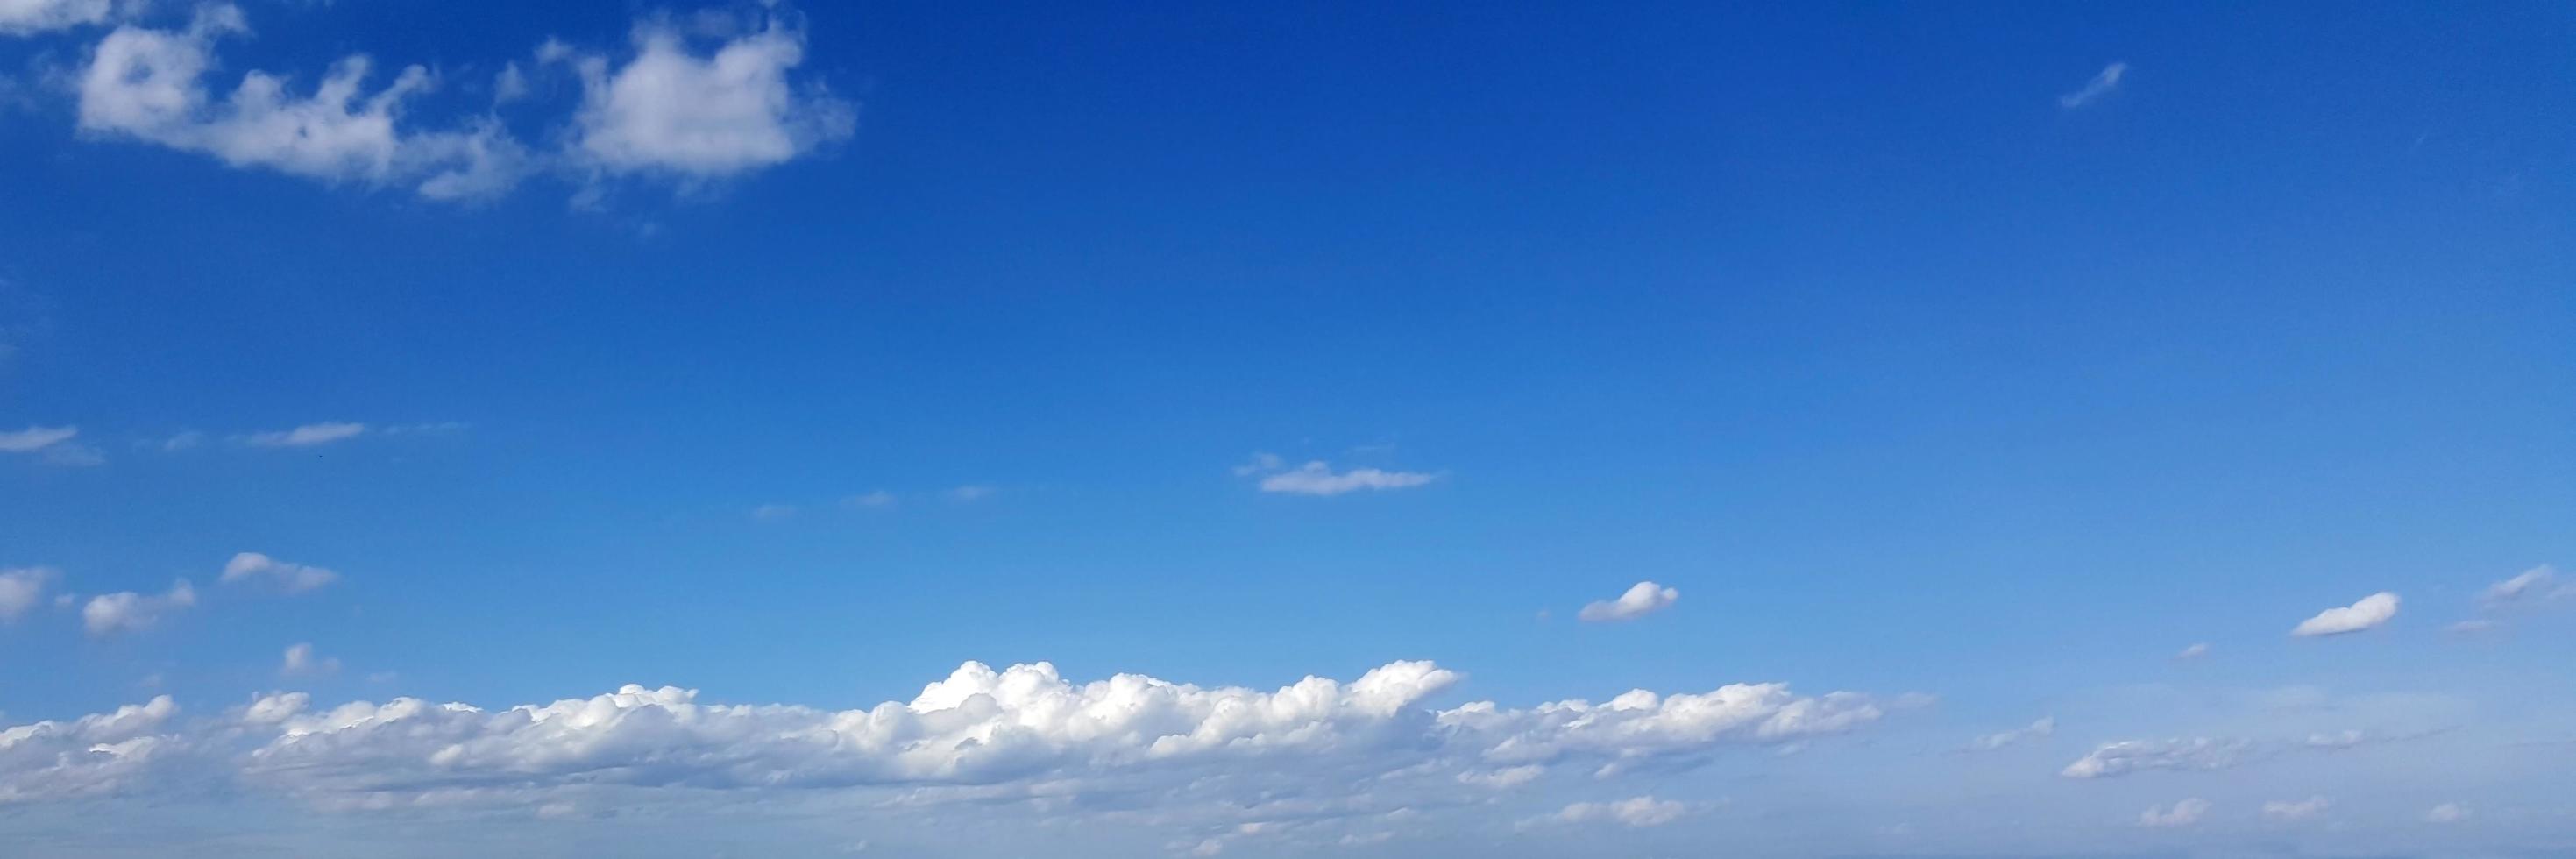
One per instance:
(1373, 430)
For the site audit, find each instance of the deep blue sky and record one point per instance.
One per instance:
(1909, 376)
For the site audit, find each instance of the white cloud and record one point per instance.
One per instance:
(22, 17)
(1641, 599)
(293, 578)
(2101, 85)
(1502, 779)
(1319, 478)
(2534, 583)
(2371, 611)
(2127, 756)
(22, 589)
(669, 110)
(2045, 726)
(1641, 725)
(1642, 811)
(149, 85)
(90, 756)
(307, 435)
(2448, 812)
(2287, 810)
(128, 611)
(2185, 812)
(34, 438)
(301, 660)
(2195, 651)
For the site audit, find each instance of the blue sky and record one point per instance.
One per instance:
(1944, 417)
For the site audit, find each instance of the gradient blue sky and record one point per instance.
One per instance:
(1973, 361)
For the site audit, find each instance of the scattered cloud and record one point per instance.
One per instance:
(968, 493)
(2291, 811)
(182, 440)
(293, 578)
(2187, 812)
(2370, 612)
(307, 435)
(1641, 599)
(22, 589)
(300, 660)
(2189, 754)
(51, 445)
(23, 17)
(1640, 812)
(127, 611)
(2102, 84)
(2045, 726)
(2537, 583)
(773, 512)
(1318, 477)
(2448, 812)
(670, 110)
(876, 500)
(2195, 651)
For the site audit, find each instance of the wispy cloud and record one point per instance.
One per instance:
(2284, 810)
(51, 445)
(2182, 813)
(22, 589)
(2093, 90)
(300, 660)
(307, 435)
(773, 512)
(1317, 477)
(292, 578)
(2045, 726)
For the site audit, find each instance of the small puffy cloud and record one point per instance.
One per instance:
(127, 611)
(149, 85)
(22, 589)
(2448, 812)
(2185, 812)
(22, 17)
(2536, 583)
(2093, 90)
(301, 660)
(307, 435)
(2195, 651)
(671, 110)
(1640, 812)
(2370, 612)
(2045, 726)
(292, 578)
(1319, 478)
(1641, 599)
(2288, 811)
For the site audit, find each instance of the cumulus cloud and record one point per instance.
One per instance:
(307, 435)
(1642, 811)
(292, 578)
(90, 756)
(2185, 812)
(1641, 599)
(2287, 811)
(150, 85)
(1238, 762)
(22, 589)
(2101, 85)
(2370, 612)
(22, 17)
(128, 611)
(1318, 477)
(669, 109)
(2045, 726)
(301, 660)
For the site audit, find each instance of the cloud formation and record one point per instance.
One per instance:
(22, 17)
(671, 110)
(90, 756)
(2045, 726)
(2182, 813)
(300, 660)
(308, 435)
(1641, 599)
(1318, 477)
(1639, 812)
(128, 611)
(2370, 612)
(2288, 811)
(292, 578)
(2093, 90)
(2537, 583)
(52, 445)
(22, 589)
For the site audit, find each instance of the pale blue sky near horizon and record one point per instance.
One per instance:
(1917, 365)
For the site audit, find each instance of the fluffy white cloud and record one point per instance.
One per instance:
(307, 435)
(670, 110)
(2289, 810)
(1642, 811)
(22, 589)
(2101, 85)
(2535, 583)
(1319, 478)
(2185, 812)
(89, 756)
(1641, 599)
(2370, 612)
(293, 578)
(21, 17)
(150, 85)
(2045, 726)
(301, 660)
(128, 611)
